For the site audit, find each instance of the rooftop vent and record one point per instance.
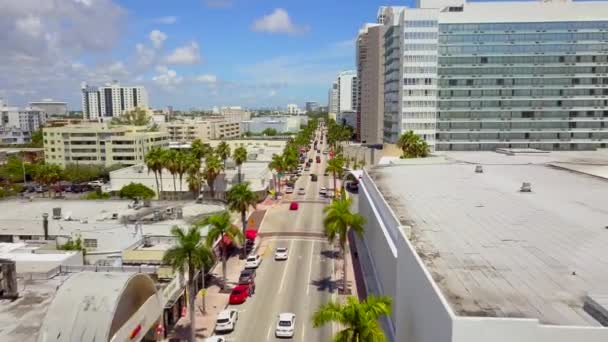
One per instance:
(56, 213)
(8, 279)
(478, 169)
(526, 187)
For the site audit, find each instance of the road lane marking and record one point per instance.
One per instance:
(312, 247)
(268, 335)
(286, 266)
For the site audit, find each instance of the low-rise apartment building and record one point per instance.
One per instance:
(100, 144)
(187, 131)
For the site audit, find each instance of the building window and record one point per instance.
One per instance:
(90, 243)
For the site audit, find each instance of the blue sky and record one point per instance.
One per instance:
(188, 53)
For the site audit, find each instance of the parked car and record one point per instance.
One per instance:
(41, 189)
(280, 253)
(293, 206)
(253, 261)
(226, 320)
(239, 294)
(323, 191)
(301, 191)
(286, 325)
(289, 190)
(95, 183)
(247, 276)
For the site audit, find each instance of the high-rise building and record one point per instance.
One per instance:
(292, 109)
(312, 106)
(50, 107)
(370, 73)
(27, 119)
(111, 100)
(484, 75)
(347, 90)
(332, 98)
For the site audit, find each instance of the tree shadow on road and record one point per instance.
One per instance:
(331, 254)
(325, 284)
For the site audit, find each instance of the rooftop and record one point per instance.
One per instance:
(496, 251)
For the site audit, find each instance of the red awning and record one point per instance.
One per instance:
(251, 234)
(227, 241)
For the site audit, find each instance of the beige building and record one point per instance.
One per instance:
(99, 144)
(235, 114)
(370, 72)
(187, 131)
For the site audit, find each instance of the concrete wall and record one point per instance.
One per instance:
(392, 267)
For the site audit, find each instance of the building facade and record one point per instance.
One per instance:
(282, 124)
(99, 144)
(370, 73)
(235, 114)
(292, 109)
(332, 98)
(50, 107)
(14, 136)
(27, 120)
(312, 106)
(486, 75)
(347, 90)
(111, 100)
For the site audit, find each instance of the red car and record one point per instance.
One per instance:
(293, 206)
(239, 294)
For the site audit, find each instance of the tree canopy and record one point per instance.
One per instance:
(136, 191)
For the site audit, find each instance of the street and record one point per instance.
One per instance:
(303, 282)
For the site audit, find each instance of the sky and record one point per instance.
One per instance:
(187, 53)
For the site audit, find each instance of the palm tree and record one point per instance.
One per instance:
(337, 223)
(240, 156)
(181, 167)
(171, 163)
(154, 163)
(278, 164)
(239, 198)
(189, 254)
(359, 319)
(336, 167)
(193, 170)
(213, 167)
(200, 149)
(412, 146)
(220, 226)
(223, 151)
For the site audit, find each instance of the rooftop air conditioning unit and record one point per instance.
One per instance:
(526, 187)
(478, 169)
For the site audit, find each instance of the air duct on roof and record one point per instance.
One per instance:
(526, 187)
(478, 169)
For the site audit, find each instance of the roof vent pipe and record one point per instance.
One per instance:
(478, 169)
(526, 187)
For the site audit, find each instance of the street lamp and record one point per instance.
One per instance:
(45, 225)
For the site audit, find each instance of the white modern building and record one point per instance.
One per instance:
(235, 113)
(51, 107)
(111, 100)
(282, 124)
(292, 109)
(332, 98)
(347, 90)
(14, 136)
(27, 119)
(370, 73)
(498, 74)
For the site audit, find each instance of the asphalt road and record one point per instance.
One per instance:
(303, 282)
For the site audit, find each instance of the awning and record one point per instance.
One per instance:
(251, 234)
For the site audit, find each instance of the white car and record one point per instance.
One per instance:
(286, 325)
(215, 338)
(289, 190)
(253, 261)
(226, 320)
(95, 184)
(323, 191)
(280, 253)
(302, 192)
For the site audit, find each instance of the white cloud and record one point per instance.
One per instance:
(272, 93)
(188, 54)
(167, 78)
(219, 3)
(144, 55)
(277, 22)
(29, 25)
(206, 78)
(168, 20)
(157, 38)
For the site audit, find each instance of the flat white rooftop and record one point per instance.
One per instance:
(496, 251)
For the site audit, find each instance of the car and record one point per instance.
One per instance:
(226, 321)
(286, 325)
(253, 261)
(323, 191)
(280, 253)
(289, 190)
(247, 276)
(301, 191)
(293, 206)
(215, 338)
(325, 152)
(239, 294)
(313, 177)
(95, 184)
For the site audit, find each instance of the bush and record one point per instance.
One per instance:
(136, 191)
(96, 195)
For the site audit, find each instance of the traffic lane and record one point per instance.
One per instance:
(287, 286)
(323, 289)
(307, 219)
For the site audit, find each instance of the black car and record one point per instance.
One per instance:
(247, 276)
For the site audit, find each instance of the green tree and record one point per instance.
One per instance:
(412, 146)
(359, 319)
(336, 167)
(213, 167)
(271, 132)
(135, 117)
(13, 170)
(239, 198)
(36, 140)
(240, 156)
(154, 162)
(136, 191)
(279, 166)
(188, 255)
(223, 151)
(220, 226)
(171, 163)
(47, 174)
(338, 221)
(182, 165)
(200, 149)
(193, 170)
